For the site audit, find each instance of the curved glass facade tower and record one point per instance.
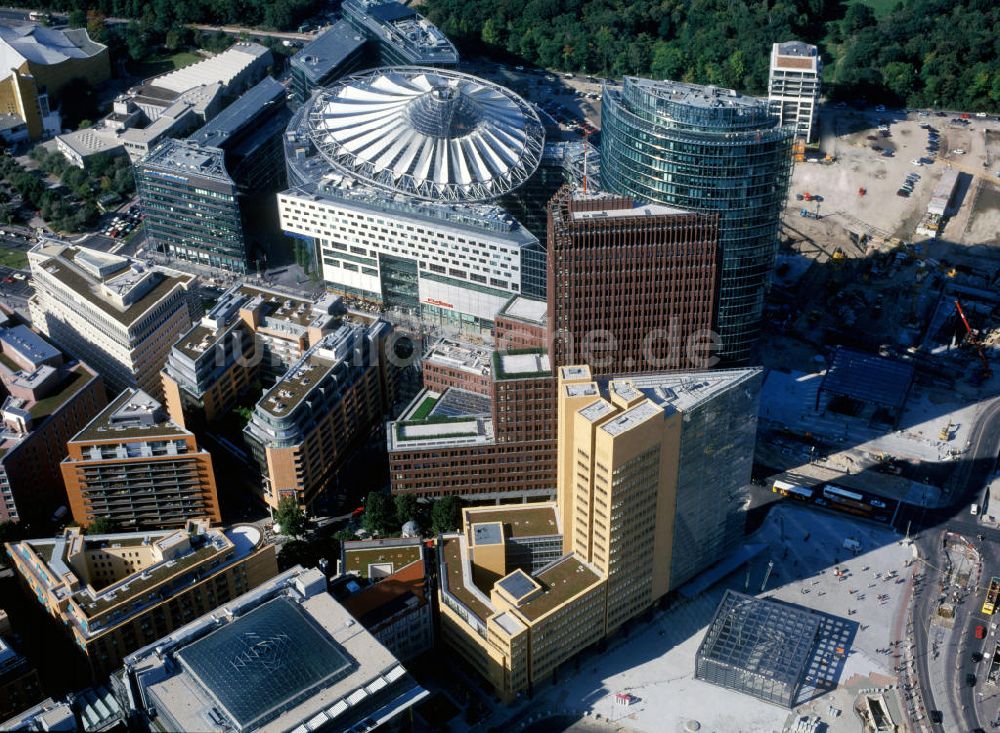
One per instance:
(706, 149)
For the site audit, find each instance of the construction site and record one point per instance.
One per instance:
(890, 251)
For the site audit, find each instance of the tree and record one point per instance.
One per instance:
(406, 508)
(446, 515)
(290, 518)
(95, 26)
(101, 525)
(77, 18)
(136, 41)
(378, 513)
(858, 16)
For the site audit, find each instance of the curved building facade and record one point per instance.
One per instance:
(711, 150)
(395, 178)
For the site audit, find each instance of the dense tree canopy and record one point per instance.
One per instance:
(923, 52)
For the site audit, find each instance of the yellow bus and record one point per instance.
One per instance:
(989, 605)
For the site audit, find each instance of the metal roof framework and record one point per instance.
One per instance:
(868, 378)
(265, 662)
(758, 647)
(434, 134)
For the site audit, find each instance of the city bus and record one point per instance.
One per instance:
(846, 499)
(791, 490)
(989, 605)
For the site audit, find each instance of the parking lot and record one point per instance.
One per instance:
(878, 161)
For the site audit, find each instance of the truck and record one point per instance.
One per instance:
(989, 605)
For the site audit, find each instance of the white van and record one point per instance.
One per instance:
(974, 510)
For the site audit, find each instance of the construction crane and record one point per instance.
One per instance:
(987, 372)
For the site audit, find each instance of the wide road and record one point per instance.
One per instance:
(954, 661)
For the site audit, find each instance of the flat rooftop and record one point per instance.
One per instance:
(451, 552)
(514, 366)
(460, 355)
(132, 414)
(178, 157)
(596, 410)
(267, 94)
(77, 378)
(518, 521)
(358, 559)
(684, 391)
(561, 580)
(527, 309)
(450, 433)
(96, 288)
(698, 95)
(280, 308)
(631, 418)
(324, 54)
(306, 375)
(640, 211)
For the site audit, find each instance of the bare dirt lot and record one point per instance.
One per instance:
(879, 161)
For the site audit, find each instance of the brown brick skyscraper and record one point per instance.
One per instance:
(631, 288)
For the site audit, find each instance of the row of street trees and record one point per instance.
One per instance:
(383, 515)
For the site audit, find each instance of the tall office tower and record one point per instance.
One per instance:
(331, 400)
(209, 199)
(395, 175)
(651, 475)
(250, 132)
(710, 150)
(116, 314)
(114, 593)
(132, 464)
(794, 86)
(631, 288)
(400, 34)
(48, 401)
(190, 207)
(650, 492)
(337, 51)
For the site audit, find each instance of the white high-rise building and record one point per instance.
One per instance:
(794, 86)
(116, 314)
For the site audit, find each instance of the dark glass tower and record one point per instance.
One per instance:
(711, 150)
